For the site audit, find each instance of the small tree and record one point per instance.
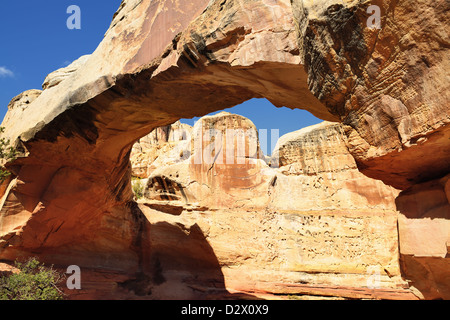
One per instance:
(138, 188)
(7, 153)
(34, 281)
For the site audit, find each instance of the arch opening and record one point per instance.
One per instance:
(313, 213)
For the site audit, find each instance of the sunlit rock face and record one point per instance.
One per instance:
(313, 219)
(386, 84)
(70, 200)
(219, 164)
(424, 233)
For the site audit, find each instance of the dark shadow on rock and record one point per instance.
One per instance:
(177, 262)
(424, 214)
(166, 208)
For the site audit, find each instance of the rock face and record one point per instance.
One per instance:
(424, 233)
(316, 161)
(145, 155)
(220, 166)
(56, 77)
(71, 201)
(385, 84)
(24, 99)
(18, 105)
(315, 220)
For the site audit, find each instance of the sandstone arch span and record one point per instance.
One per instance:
(165, 60)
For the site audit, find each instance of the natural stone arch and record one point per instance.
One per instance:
(156, 66)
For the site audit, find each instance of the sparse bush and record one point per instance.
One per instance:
(34, 281)
(138, 188)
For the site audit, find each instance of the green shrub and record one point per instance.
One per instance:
(33, 282)
(138, 188)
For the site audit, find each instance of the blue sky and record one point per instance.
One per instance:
(266, 116)
(35, 41)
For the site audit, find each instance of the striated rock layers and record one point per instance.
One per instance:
(70, 199)
(299, 229)
(218, 164)
(145, 155)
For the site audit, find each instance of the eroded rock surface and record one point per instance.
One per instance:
(220, 165)
(424, 233)
(386, 84)
(315, 220)
(148, 153)
(163, 60)
(56, 77)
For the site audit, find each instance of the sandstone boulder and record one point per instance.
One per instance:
(316, 170)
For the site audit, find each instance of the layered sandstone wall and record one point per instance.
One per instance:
(299, 229)
(71, 201)
(221, 161)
